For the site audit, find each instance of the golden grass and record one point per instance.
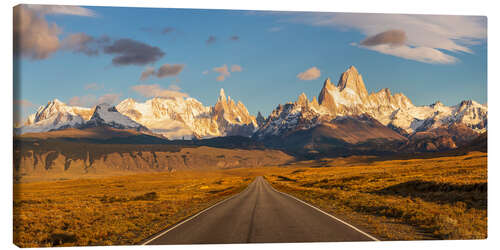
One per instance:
(436, 198)
(116, 210)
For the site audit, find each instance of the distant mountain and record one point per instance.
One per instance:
(343, 135)
(174, 118)
(55, 115)
(350, 99)
(343, 118)
(106, 115)
(188, 118)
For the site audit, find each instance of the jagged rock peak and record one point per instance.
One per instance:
(222, 95)
(352, 69)
(437, 104)
(106, 115)
(386, 91)
(314, 103)
(328, 84)
(105, 106)
(468, 103)
(129, 100)
(302, 100)
(260, 119)
(56, 101)
(351, 79)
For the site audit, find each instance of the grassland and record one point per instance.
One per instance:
(117, 210)
(433, 198)
(427, 198)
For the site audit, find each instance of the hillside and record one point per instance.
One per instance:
(68, 158)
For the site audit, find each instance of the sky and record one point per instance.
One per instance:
(88, 55)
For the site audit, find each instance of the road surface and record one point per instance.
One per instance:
(259, 214)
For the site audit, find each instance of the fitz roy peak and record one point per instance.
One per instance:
(349, 98)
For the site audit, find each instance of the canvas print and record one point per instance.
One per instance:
(155, 126)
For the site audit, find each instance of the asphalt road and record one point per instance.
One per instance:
(259, 214)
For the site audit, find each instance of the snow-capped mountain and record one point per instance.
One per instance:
(174, 118)
(177, 118)
(232, 118)
(350, 98)
(423, 118)
(106, 115)
(55, 115)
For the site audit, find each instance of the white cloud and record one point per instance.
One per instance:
(155, 90)
(310, 74)
(224, 71)
(109, 98)
(220, 78)
(421, 54)
(61, 10)
(92, 100)
(236, 68)
(433, 35)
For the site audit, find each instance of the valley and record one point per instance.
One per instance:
(60, 159)
(433, 197)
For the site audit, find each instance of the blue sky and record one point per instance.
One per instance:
(428, 58)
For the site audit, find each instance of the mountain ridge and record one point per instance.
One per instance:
(187, 118)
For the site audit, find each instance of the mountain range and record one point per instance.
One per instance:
(172, 118)
(343, 118)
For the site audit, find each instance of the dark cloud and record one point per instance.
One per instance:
(169, 70)
(210, 40)
(34, 37)
(391, 37)
(37, 39)
(165, 70)
(234, 38)
(104, 39)
(149, 71)
(131, 52)
(80, 43)
(83, 43)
